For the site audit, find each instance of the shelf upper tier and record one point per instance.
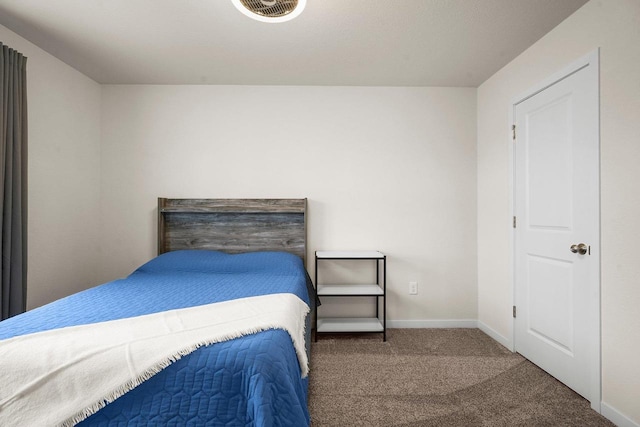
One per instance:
(349, 255)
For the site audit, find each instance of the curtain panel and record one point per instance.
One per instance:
(13, 184)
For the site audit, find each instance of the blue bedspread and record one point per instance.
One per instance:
(253, 380)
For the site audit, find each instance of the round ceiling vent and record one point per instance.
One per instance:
(270, 10)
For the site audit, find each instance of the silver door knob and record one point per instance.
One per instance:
(579, 249)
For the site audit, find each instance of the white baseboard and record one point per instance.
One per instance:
(501, 339)
(617, 417)
(458, 323)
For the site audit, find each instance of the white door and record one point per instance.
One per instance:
(556, 161)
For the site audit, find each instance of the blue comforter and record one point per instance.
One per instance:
(253, 380)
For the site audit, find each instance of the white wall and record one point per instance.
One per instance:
(614, 26)
(392, 169)
(64, 175)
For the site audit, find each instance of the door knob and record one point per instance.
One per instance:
(579, 249)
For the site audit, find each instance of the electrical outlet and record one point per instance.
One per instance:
(413, 288)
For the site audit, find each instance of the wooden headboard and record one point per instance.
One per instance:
(233, 225)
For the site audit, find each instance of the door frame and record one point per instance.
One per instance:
(590, 62)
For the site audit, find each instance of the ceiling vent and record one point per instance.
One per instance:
(270, 10)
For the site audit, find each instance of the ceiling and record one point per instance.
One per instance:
(333, 42)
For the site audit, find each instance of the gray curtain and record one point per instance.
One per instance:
(13, 181)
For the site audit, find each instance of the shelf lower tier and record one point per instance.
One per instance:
(349, 324)
(350, 290)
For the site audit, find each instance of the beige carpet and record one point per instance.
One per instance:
(435, 377)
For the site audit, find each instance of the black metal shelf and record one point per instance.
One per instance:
(378, 290)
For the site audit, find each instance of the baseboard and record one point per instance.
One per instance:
(617, 417)
(461, 323)
(501, 339)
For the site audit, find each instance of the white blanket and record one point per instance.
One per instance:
(62, 376)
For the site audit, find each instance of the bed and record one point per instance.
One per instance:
(210, 251)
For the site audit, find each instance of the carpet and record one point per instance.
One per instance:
(435, 377)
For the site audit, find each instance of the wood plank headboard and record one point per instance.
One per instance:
(233, 225)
